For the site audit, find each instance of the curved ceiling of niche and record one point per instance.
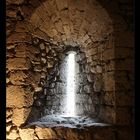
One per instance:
(72, 22)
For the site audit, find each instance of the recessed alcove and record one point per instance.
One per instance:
(86, 42)
(69, 101)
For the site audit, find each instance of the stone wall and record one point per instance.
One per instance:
(38, 33)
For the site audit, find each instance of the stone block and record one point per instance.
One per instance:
(35, 20)
(11, 13)
(59, 26)
(93, 69)
(20, 50)
(21, 27)
(17, 78)
(18, 96)
(20, 115)
(7, 80)
(98, 83)
(18, 64)
(9, 112)
(51, 7)
(33, 49)
(109, 81)
(109, 66)
(90, 77)
(65, 17)
(9, 119)
(10, 54)
(41, 11)
(108, 98)
(85, 38)
(19, 37)
(45, 133)
(107, 113)
(61, 5)
(66, 30)
(26, 134)
(13, 134)
(108, 54)
(14, 2)
(38, 32)
(8, 127)
(91, 51)
(42, 46)
(10, 46)
(98, 69)
(32, 79)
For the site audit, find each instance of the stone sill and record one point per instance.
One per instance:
(55, 121)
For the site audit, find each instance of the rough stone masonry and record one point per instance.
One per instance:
(39, 32)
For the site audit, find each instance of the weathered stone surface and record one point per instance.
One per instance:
(10, 54)
(108, 54)
(7, 80)
(26, 134)
(91, 51)
(9, 112)
(33, 80)
(20, 50)
(9, 119)
(8, 127)
(43, 60)
(14, 1)
(46, 133)
(59, 26)
(108, 113)
(61, 4)
(105, 39)
(11, 13)
(109, 81)
(19, 37)
(17, 78)
(90, 77)
(21, 27)
(13, 134)
(98, 83)
(20, 119)
(18, 64)
(17, 96)
(93, 69)
(109, 66)
(33, 49)
(108, 98)
(98, 69)
(42, 46)
(10, 46)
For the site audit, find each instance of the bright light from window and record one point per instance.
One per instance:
(70, 89)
